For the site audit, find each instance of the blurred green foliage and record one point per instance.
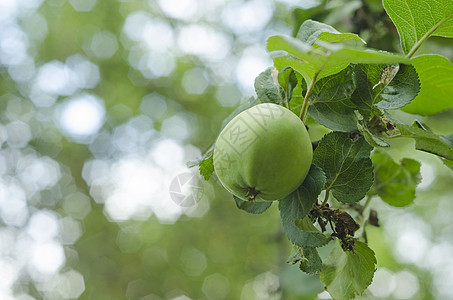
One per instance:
(71, 225)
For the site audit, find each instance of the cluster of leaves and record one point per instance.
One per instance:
(351, 90)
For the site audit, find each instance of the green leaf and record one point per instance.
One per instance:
(253, 207)
(267, 89)
(347, 166)
(288, 81)
(297, 205)
(307, 70)
(306, 64)
(295, 256)
(401, 90)
(448, 163)
(309, 234)
(306, 225)
(436, 77)
(306, 195)
(206, 167)
(363, 94)
(301, 14)
(427, 141)
(311, 31)
(347, 274)
(297, 97)
(415, 19)
(294, 47)
(330, 103)
(308, 257)
(395, 183)
(325, 60)
(369, 137)
(449, 137)
(387, 87)
(365, 56)
(310, 263)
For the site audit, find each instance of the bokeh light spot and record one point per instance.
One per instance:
(47, 258)
(128, 241)
(43, 226)
(135, 25)
(158, 35)
(13, 205)
(228, 95)
(39, 173)
(428, 175)
(22, 72)
(383, 283)
(56, 78)
(204, 41)
(83, 5)
(176, 127)
(71, 285)
(81, 116)
(167, 154)
(70, 230)
(253, 61)
(87, 73)
(247, 16)
(18, 133)
(194, 81)
(407, 285)
(77, 205)
(216, 286)
(179, 9)
(104, 45)
(154, 105)
(194, 261)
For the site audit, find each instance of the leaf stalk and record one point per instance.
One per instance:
(303, 112)
(427, 35)
(326, 198)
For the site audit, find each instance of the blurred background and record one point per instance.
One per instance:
(102, 103)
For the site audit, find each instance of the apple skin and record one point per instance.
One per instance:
(264, 153)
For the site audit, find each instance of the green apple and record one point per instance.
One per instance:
(264, 153)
